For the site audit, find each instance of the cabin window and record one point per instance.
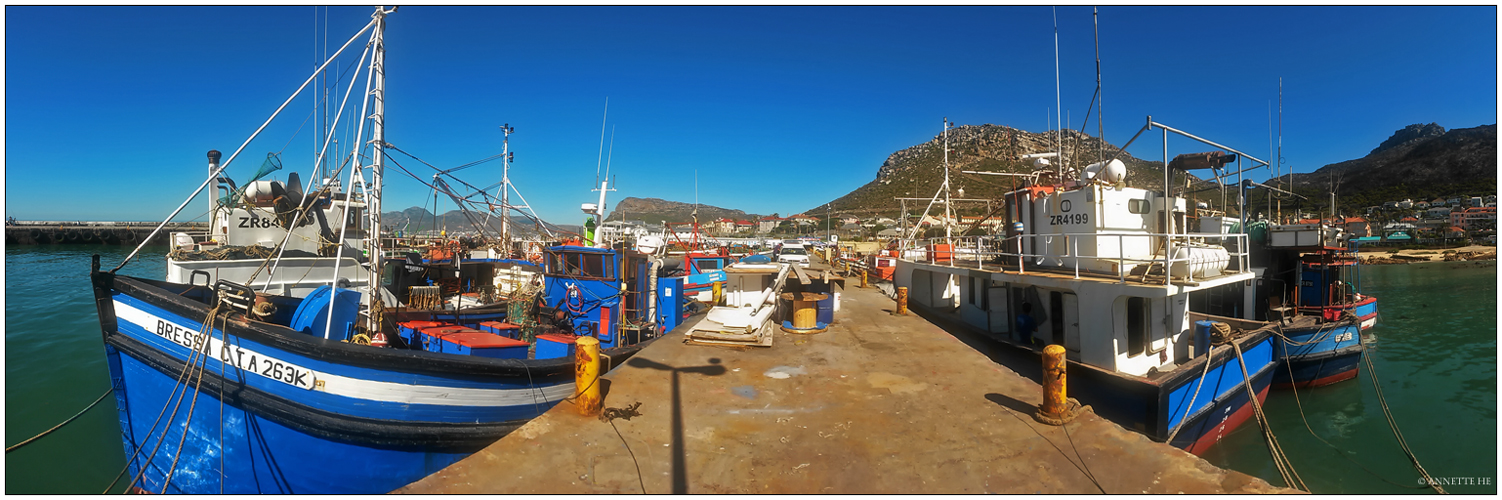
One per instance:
(707, 264)
(1137, 206)
(596, 265)
(581, 265)
(1137, 326)
(972, 290)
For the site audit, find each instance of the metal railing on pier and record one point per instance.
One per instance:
(1002, 252)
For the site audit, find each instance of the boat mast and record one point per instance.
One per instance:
(506, 131)
(377, 166)
(948, 209)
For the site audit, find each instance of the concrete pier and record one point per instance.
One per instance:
(877, 404)
(93, 233)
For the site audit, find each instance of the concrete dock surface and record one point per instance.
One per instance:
(877, 404)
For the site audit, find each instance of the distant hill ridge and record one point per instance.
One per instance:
(916, 172)
(656, 210)
(1419, 162)
(416, 219)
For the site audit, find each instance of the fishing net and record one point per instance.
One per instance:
(518, 310)
(273, 163)
(228, 252)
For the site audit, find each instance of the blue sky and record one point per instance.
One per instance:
(109, 110)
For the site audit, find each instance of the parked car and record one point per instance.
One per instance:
(793, 253)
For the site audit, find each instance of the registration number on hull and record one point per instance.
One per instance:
(244, 359)
(247, 360)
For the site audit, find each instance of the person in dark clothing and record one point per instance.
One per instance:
(1026, 326)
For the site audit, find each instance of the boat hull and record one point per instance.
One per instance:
(1319, 355)
(271, 410)
(1156, 406)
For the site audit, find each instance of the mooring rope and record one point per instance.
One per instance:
(206, 331)
(1280, 459)
(1209, 356)
(181, 383)
(1327, 443)
(65, 422)
(181, 377)
(1387, 412)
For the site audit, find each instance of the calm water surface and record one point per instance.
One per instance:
(1435, 349)
(1435, 352)
(54, 367)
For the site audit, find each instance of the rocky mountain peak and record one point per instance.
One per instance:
(1409, 134)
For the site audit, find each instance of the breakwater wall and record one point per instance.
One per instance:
(93, 233)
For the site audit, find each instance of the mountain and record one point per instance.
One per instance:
(916, 172)
(417, 219)
(1419, 162)
(656, 210)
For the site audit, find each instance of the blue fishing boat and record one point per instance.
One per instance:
(1105, 271)
(1311, 288)
(1308, 286)
(295, 378)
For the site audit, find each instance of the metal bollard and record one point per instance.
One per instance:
(902, 300)
(863, 278)
(1056, 409)
(587, 376)
(718, 293)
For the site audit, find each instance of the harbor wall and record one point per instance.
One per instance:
(93, 233)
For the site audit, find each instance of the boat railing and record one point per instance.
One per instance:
(1002, 251)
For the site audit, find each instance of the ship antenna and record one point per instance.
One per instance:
(1100, 98)
(602, 140)
(1058, 101)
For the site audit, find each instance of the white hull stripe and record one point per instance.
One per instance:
(389, 392)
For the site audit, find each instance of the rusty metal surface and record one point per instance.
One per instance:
(878, 404)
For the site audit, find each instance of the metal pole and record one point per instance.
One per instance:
(1167, 214)
(948, 207)
(1100, 100)
(506, 189)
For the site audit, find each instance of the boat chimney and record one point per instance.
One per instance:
(213, 169)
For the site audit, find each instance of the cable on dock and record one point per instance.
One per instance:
(59, 426)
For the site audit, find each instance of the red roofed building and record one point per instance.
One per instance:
(1357, 227)
(1474, 218)
(768, 223)
(724, 225)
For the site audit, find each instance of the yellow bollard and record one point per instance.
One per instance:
(1056, 409)
(902, 300)
(718, 293)
(587, 376)
(863, 278)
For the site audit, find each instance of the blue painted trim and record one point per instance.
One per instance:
(1221, 382)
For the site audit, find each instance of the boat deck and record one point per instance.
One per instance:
(1082, 274)
(877, 404)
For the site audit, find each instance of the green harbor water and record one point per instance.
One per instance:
(1435, 352)
(1435, 349)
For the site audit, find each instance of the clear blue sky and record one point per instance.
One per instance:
(109, 110)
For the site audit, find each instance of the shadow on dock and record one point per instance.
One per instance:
(680, 468)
